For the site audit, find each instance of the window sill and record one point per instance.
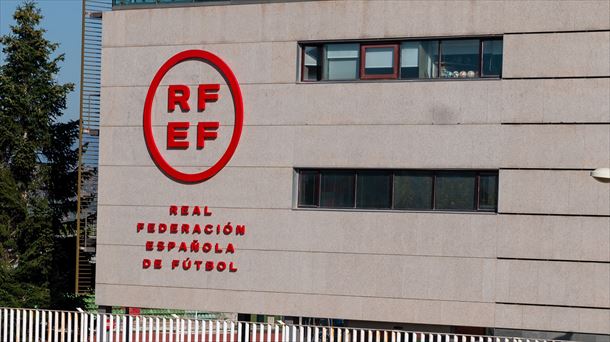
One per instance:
(402, 80)
(396, 211)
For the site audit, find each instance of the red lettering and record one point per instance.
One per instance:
(140, 227)
(176, 133)
(160, 246)
(198, 264)
(146, 263)
(162, 228)
(230, 249)
(232, 267)
(182, 247)
(151, 228)
(175, 263)
(217, 249)
(208, 229)
(228, 229)
(196, 211)
(173, 210)
(149, 245)
(178, 94)
(185, 228)
(203, 132)
(171, 245)
(173, 228)
(196, 229)
(209, 265)
(240, 229)
(206, 93)
(206, 212)
(184, 210)
(157, 264)
(206, 247)
(221, 266)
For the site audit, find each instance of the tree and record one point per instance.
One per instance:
(38, 168)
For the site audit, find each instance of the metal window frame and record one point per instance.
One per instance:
(392, 173)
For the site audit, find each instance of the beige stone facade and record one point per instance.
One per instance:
(542, 262)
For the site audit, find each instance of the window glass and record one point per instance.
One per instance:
(310, 63)
(460, 58)
(413, 190)
(379, 60)
(309, 183)
(400, 189)
(419, 59)
(488, 191)
(454, 190)
(341, 61)
(374, 189)
(337, 189)
(492, 58)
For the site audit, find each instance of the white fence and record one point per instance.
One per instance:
(25, 325)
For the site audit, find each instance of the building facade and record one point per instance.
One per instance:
(418, 163)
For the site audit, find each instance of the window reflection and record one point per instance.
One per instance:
(492, 58)
(379, 61)
(374, 190)
(488, 191)
(413, 190)
(460, 58)
(419, 59)
(311, 65)
(342, 61)
(309, 185)
(454, 191)
(337, 189)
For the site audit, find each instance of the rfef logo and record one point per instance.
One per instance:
(192, 136)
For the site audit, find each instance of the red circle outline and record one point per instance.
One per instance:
(227, 73)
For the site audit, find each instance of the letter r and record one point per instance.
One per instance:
(178, 94)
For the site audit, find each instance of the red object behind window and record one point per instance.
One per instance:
(363, 74)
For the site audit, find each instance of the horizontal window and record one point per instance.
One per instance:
(445, 190)
(470, 58)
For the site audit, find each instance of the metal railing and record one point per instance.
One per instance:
(29, 325)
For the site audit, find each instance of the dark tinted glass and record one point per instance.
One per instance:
(460, 58)
(454, 190)
(337, 189)
(311, 64)
(413, 190)
(374, 189)
(309, 183)
(492, 58)
(488, 191)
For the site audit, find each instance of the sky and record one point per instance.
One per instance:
(62, 20)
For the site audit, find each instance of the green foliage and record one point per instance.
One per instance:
(38, 170)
